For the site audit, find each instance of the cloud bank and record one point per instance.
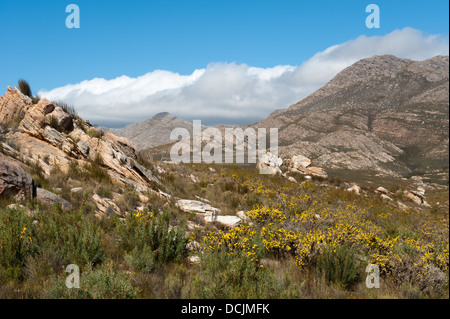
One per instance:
(233, 93)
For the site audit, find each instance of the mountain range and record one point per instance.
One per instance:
(151, 132)
(382, 116)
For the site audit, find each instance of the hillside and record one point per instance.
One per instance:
(382, 115)
(151, 132)
(139, 229)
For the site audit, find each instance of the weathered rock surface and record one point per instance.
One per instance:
(228, 220)
(48, 136)
(299, 162)
(12, 104)
(14, 181)
(195, 206)
(105, 207)
(417, 197)
(269, 164)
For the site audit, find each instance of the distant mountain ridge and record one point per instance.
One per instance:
(151, 132)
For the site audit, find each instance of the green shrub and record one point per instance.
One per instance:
(94, 133)
(96, 172)
(143, 231)
(70, 235)
(141, 260)
(101, 283)
(339, 266)
(223, 276)
(15, 240)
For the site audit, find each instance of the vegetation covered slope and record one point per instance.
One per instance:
(307, 240)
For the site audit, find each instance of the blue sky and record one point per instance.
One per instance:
(135, 37)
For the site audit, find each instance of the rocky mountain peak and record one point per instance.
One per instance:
(161, 116)
(384, 114)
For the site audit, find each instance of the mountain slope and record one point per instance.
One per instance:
(152, 132)
(382, 114)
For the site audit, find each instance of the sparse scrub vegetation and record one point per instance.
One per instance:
(305, 240)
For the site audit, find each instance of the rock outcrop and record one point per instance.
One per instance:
(50, 198)
(301, 164)
(269, 164)
(14, 181)
(105, 207)
(48, 136)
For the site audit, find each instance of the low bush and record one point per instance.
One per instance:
(340, 266)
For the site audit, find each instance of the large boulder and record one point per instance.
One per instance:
(299, 163)
(64, 121)
(227, 221)
(418, 197)
(195, 206)
(269, 164)
(34, 118)
(48, 197)
(14, 181)
(12, 105)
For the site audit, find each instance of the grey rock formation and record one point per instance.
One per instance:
(48, 197)
(14, 181)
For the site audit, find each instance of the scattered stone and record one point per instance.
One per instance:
(270, 263)
(193, 246)
(293, 180)
(316, 171)
(76, 189)
(143, 199)
(228, 221)
(241, 214)
(194, 179)
(194, 259)
(355, 189)
(192, 226)
(15, 206)
(385, 197)
(383, 190)
(211, 169)
(402, 206)
(196, 206)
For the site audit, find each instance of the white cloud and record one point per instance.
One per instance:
(231, 93)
